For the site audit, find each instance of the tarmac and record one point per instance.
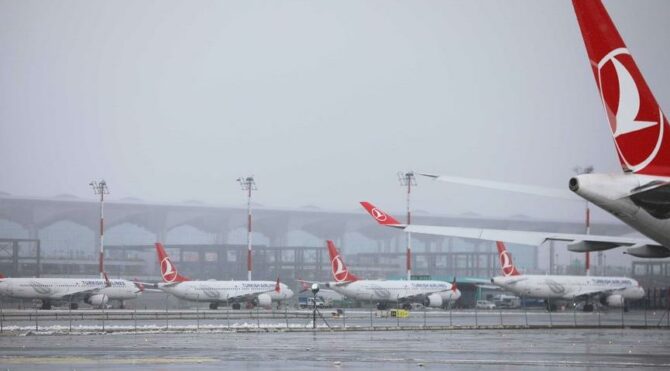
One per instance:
(264, 340)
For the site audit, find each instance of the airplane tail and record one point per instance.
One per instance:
(636, 120)
(453, 285)
(277, 286)
(168, 269)
(340, 271)
(380, 216)
(506, 262)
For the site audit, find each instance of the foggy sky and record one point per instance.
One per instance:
(323, 101)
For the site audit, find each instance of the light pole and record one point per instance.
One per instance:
(248, 184)
(100, 188)
(315, 290)
(587, 219)
(407, 179)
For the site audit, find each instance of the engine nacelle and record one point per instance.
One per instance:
(612, 301)
(433, 300)
(263, 301)
(97, 300)
(646, 251)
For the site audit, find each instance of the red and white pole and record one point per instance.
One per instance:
(588, 231)
(249, 259)
(409, 235)
(101, 189)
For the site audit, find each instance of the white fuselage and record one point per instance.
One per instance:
(225, 291)
(568, 287)
(57, 288)
(610, 191)
(394, 291)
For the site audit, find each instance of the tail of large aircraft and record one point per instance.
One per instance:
(340, 271)
(506, 262)
(637, 122)
(168, 269)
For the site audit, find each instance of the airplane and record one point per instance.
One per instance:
(60, 291)
(640, 196)
(608, 291)
(252, 293)
(387, 293)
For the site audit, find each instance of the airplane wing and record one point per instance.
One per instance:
(576, 242)
(504, 186)
(585, 293)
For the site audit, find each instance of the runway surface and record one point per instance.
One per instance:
(401, 350)
(358, 339)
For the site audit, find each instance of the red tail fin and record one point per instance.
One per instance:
(506, 263)
(340, 271)
(380, 216)
(639, 127)
(453, 285)
(168, 269)
(277, 285)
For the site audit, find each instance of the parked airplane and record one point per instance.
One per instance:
(388, 293)
(251, 293)
(609, 291)
(60, 291)
(640, 196)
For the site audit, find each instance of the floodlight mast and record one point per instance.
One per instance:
(587, 170)
(100, 188)
(248, 184)
(407, 179)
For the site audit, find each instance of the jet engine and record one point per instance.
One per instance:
(612, 301)
(433, 300)
(263, 301)
(97, 300)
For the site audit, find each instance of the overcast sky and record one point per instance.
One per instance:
(323, 101)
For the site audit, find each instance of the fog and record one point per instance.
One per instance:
(323, 102)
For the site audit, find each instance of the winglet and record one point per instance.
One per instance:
(138, 284)
(304, 285)
(339, 270)
(506, 262)
(168, 269)
(380, 216)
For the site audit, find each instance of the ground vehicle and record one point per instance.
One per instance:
(485, 304)
(506, 301)
(306, 302)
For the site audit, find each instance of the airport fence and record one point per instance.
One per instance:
(14, 321)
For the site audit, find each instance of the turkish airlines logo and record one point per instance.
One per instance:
(167, 270)
(339, 270)
(379, 215)
(629, 110)
(506, 263)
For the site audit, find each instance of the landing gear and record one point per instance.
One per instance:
(588, 307)
(214, 306)
(236, 306)
(46, 305)
(122, 305)
(74, 306)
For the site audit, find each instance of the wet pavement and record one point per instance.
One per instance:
(283, 340)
